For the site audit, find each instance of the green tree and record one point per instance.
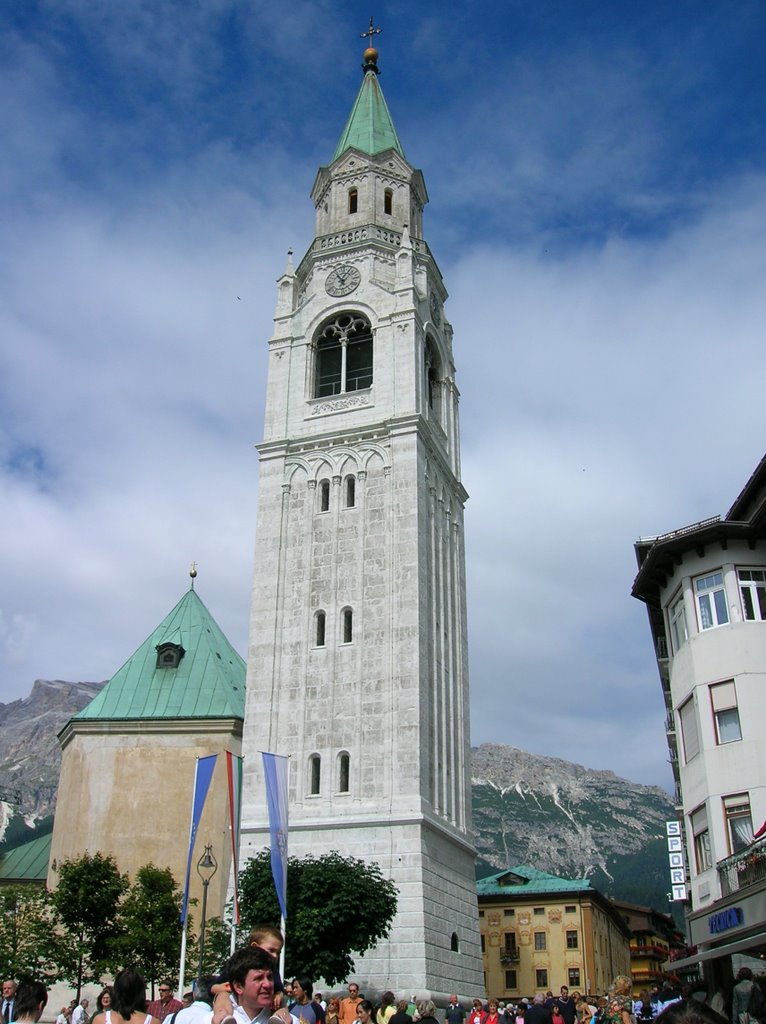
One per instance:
(87, 903)
(150, 934)
(336, 906)
(27, 937)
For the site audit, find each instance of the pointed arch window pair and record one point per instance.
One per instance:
(343, 356)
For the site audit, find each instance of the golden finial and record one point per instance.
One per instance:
(193, 573)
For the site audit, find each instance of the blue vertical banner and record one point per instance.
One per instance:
(275, 770)
(203, 774)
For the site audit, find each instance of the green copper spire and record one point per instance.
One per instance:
(369, 128)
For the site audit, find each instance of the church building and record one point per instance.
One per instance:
(128, 758)
(357, 658)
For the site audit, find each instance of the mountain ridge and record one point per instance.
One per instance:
(547, 812)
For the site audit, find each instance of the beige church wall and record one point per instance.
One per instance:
(129, 795)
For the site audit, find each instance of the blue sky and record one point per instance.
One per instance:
(597, 175)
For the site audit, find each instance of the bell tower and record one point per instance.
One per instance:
(357, 659)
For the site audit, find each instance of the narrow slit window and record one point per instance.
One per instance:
(319, 634)
(388, 202)
(348, 626)
(344, 763)
(353, 200)
(324, 496)
(315, 774)
(350, 492)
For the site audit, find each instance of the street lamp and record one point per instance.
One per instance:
(207, 866)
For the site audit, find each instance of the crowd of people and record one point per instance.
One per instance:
(249, 990)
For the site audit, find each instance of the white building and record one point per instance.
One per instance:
(705, 590)
(357, 658)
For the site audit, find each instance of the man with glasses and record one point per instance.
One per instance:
(166, 1004)
(347, 1012)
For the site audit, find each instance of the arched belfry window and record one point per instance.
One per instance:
(344, 355)
(388, 201)
(353, 200)
(432, 375)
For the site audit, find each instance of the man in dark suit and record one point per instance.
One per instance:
(9, 999)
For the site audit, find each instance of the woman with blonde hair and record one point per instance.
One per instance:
(619, 1002)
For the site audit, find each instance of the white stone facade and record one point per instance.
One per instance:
(357, 660)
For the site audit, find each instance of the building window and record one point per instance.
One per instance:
(701, 833)
(572, 942)
(483, 943)
(509, 912)
(344, 763)
(570, 908)
(433, 376)
(343, 356)
(510, 979)
(509, 942)
(710, 595)
(454, 943)
(574, 977)
(388, 202)
(687, 715)
(324, 495)
(541, 978)
(540, 942)
(347, 626)
(353, 200)
(169, 655)
(481, 913)
(315, 774)
(739, 822)
(678, 631)
(320, 628)
(723, 698)
(539, 910)
(350, 496)
(752, 587)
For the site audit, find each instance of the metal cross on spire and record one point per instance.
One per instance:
(371, 31)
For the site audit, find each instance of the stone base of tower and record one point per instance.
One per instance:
(433, 871)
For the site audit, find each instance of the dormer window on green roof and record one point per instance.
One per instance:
(169, 655)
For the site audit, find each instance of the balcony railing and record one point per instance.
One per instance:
(509, 956)
(744, 868)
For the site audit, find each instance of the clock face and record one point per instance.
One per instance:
(342, 280)
(436, 313)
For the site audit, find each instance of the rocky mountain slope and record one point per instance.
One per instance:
(571, 821)
(527, 809)
(30, 755)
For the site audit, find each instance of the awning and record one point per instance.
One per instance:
(712, 954)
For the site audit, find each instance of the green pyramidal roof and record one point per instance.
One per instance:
(369, 128)
(209, 681)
